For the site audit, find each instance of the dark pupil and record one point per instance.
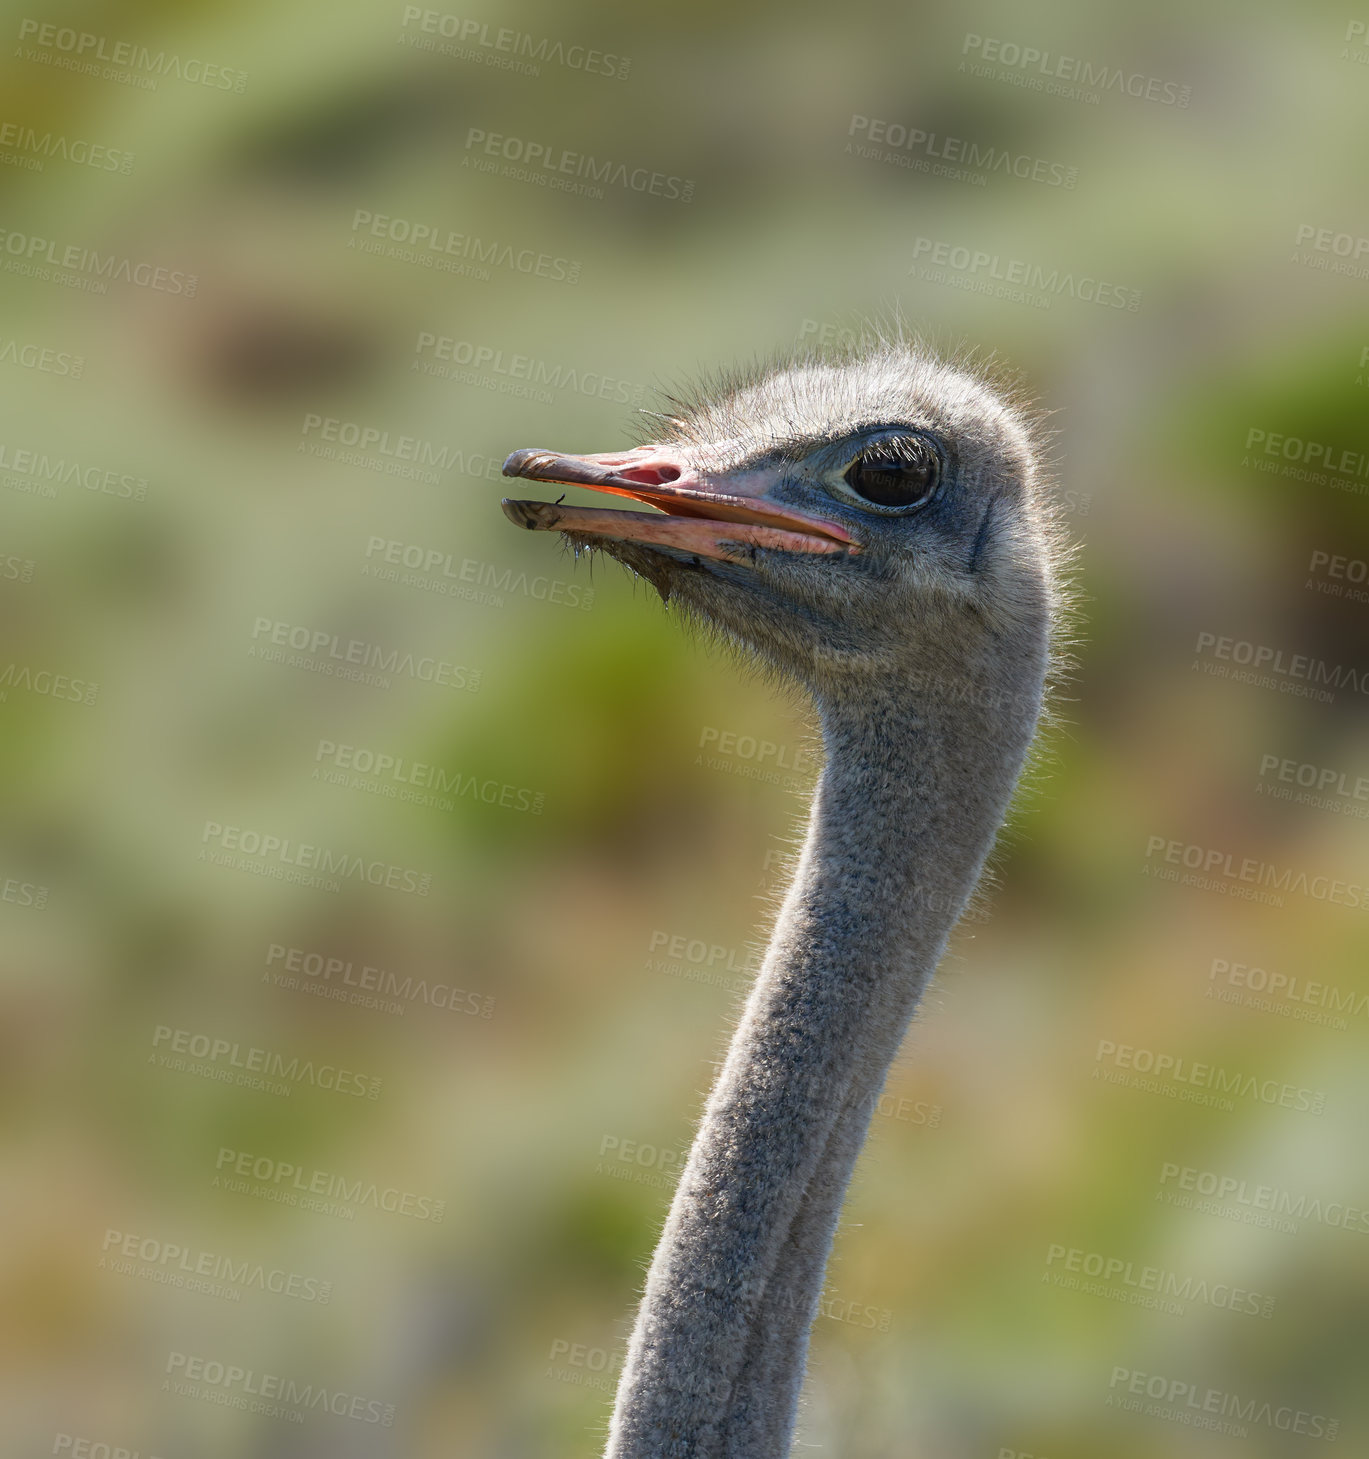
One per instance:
(892, 481)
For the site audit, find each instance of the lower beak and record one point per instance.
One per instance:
(704, 523)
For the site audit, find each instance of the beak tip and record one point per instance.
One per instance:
(531, 516)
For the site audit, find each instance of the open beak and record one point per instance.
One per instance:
(692, 516)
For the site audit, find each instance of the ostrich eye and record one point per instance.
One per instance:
(895, 475)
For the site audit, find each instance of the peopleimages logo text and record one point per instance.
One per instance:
(536, 50)
(1218, 1402)
(271, 848)
(1021, 273)
(273, 1387)
(1213, 861)
(44, 145)
(30, 253)
(427, 242)
(1175, 1286)
(961, 151)
(1199, 1075)
(548, 157)
(250, 1059)
(334, 653)
(1045, 67)
(85, 47)
(179, 1265)
(287, 1182)
(1218, 1186)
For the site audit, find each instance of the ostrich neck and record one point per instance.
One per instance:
(911, 795)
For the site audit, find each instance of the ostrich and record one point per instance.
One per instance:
(872, 527)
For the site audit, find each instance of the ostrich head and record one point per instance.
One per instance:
(840, 518)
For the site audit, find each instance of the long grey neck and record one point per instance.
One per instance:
(912, 793)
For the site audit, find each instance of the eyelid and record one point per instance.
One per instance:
(894, 459)
(900, 448)
(898, 444)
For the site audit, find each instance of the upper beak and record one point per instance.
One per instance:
(699, 519)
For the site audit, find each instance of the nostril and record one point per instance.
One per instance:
(661, 475)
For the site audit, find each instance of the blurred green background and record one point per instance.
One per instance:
(246, 402)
